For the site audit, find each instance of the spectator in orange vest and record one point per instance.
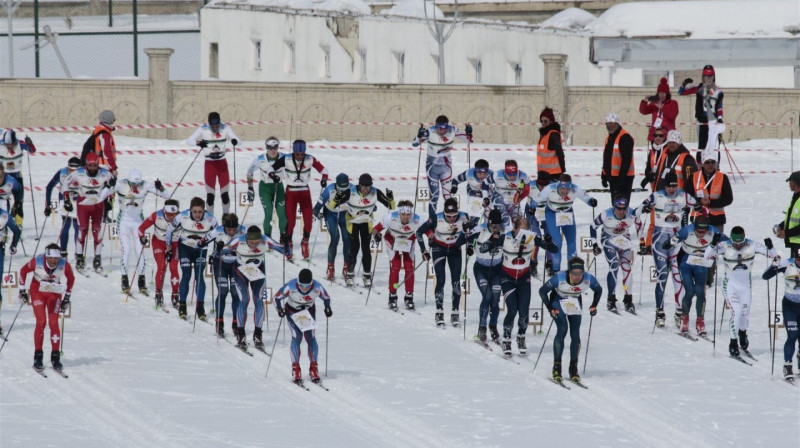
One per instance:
(676, 159)
(662, 107)
(549, 153)
(618, 169)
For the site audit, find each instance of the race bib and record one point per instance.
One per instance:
(251, 272)
(304, 321)
(402, 245)
(475, 206)
(57, 288)
(539, 214)
(571, 306)
(564, 219)
(89, 200)
(620, 242)
(694, 260)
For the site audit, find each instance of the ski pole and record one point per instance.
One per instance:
(196, 302)
(63, 328)
(588, 339)
(275, 342)
(772, 333)
(419, 163)
(722, 317)
(313, 246)
(326, 345)
(714, 338)
(543, 344)
(466, 285)
(33, 203)
(769, 315)
(408, 277)
(236, 200)
(374, 265)
(178, 185)
(14, 321)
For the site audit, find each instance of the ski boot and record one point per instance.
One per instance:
(174, 298)
(535, 269)
(304, 247)
(573, 371)
(612, 303)
(367, 279)
(64, 254)
(454, 320)
(142, 284)
(685, 323)
(409, 299)
(288, 250)
(557, 371)
(241, 340)
(39, 365)
(126, 287)
(182, 310)
(743, 341)
(159, 299)
(627, 300)
(344, 271)
(330, 275)
(201, 311)
(55, 360)
(313, 373)
(221, 327)
(257, 341)
(80, 262)
(494, 333)
(787, 371)
(482, 334)
(97, 263)
(234, 326)
(678, 318)
(439, 316)
(523, 349)
(661, 318)
(506, 346)
(733, 348)
(393, 301)
(700, 326)
(349, 278)
(297, 374)
(548, 268)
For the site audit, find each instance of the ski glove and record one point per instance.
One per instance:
(596, 249)
(593, 311)
(281, 312)
(218, 246)
(719, 119)
(642, 249)
(16, 209)
(328, 312)
(592, 202)
(204, 241)
(376, 237)
(422, 133)
(29, 142)
(159, 186)
(168, 255)
(13, 249)
(554, 313)
(715, 239)
(768, 243)
(470, 250)
(112, 182)
(274, 177)
(323, 182)
(426, 255)
(143, 240)
(776, 261)
(65, 303)
(687, 81)
(234, 142)
(68, 206)
(47, 210)
(604, 180)
(486, 202)
(23, 296)
(468, 131)
(454, 189)
(389, 195)
(202, 144)
(251, 194)
(646, 208)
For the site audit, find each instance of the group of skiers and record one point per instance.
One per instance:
(503, 219)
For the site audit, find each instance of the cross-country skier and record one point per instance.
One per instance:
(559, 215)
(132, 193)
(478, 190)
(90, 185)
(359, 202)
(512, 184)
(738, 254)
(439, 163)
(11, 152)
(488, 273)
(223, 264)
(212, 138)
(300, 295)
(617, 223)
(562, 295)
(335, 219)
(270, 187)
(694, 239)
(250, 279)
(298, 194)
(669, 208)
(535, 214)
(50, 296)
(6, 224)
(160, 220)
(790, 306)
(10, 189)
(68, 219)
(446, 234)
(401, 226)
(198, 229)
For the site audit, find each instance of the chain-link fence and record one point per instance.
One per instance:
(98, 39)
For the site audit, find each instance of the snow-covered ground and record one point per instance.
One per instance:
(141, 377)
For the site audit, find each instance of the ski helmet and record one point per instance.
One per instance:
(365, 180)
(299, 146)
(214, 119)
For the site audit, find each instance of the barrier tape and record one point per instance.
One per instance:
(414, 178)
(122, 127)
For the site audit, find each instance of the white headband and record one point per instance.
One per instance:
(404, 209)
(171, 209)
(272, 142)
(52, 253)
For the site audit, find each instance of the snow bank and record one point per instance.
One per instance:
(344, 6)
(574, 19)
(413, 8)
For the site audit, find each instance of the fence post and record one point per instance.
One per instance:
(160, 93)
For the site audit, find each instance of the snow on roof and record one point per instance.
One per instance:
(344, 6)
(699, 19)
(574, 19)
(413, 8)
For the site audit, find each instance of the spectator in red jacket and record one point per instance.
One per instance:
(662, 107)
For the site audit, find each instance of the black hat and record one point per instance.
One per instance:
(671, 179)
(253, 233)
(701, 222)
(737, 234)
(442, 121)
(795, 176)
(481, 164)
(450, 206)
(495, 217)
(230, 221)
(213, 118)
(305, 277)
(365, 180)
(74, 162)
(575, 263)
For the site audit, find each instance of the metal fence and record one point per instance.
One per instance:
(99, 39)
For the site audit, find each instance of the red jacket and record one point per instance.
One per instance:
(668, 114)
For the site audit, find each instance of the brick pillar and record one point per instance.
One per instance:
(159, 95)
(555, 94)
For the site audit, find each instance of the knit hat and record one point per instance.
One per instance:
(91, 158)
(305, 277)
(708, 70)
(737, 234)
(495, 217)
(365, 180)
(342, 181)
(442, 121)
(671, 179)
(9, 137)
(253, 233)
(575, 263)
(701, 222)
(481, 165)
(674, 136)
(74, 162)
(547, 113)
(107, 117)
(611, 117)
(663, 86)
(213, 118)
(230, 221)
(299, 146)
(708, 154)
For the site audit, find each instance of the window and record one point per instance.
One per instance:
(257, 54)
(652, 78)
(362, 54)
(400, 67)
(477, 66)
(213, 60)
(517, 75)
(325, 68)
(289, 58)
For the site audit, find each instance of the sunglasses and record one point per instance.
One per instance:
(658, 135)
